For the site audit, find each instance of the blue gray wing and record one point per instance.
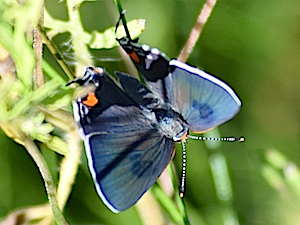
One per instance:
(126, 155)
(203, 100)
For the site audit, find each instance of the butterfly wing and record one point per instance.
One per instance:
(126, 156)
(204, 101)
(125, 151)
(138, 91)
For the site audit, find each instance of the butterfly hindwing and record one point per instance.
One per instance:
(203, 100)
(126, 160)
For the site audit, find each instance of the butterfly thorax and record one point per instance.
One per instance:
(170, 123)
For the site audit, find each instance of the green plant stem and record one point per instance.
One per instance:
(131, 69)
(167, 204)
(180, 203)
(49, 183)
(80, 48)
(123, 18)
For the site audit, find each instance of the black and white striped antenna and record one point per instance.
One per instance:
(182, 187)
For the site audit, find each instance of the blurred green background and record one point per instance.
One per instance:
(254, 46)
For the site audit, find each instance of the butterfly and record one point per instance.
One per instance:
(129, 128)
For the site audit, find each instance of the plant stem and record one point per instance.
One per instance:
(38, 51)
(80, 48)
(49, 183)
(196, 31)
(69, 168)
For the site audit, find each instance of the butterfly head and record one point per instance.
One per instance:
(171, 124)
(92, 75)
(90, 81)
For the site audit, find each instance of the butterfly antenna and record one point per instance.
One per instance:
(71, 82)
(122, 17)
(224, 139)
(183, 171)
(182, 187)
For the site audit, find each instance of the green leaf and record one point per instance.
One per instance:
(35, 96)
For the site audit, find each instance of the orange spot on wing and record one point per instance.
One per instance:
(91, 100)
(133, 55)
